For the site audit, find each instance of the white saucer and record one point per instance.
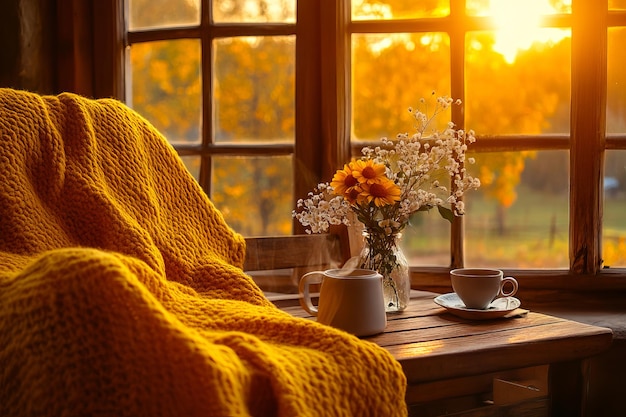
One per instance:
(498, 308)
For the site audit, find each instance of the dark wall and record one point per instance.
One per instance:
(27, 45)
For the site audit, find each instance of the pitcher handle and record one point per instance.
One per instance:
(305, 294)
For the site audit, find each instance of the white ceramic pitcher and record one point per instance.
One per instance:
(348, 300)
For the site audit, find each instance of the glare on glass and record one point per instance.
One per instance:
(146, 14)
(166, 87)
(254, 89)
(398, 9)
(517, 10)
(392, 72)
(518, 84)
(616, 81)
(613, 218)
(617, 4)
(255, 194)
(519, 217)
(254, 11)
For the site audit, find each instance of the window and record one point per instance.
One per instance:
(514, 77)
(218, 80)
(521, 68)
(263, 99)
(614, 241)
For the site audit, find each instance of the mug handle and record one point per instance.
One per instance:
(305, 295)
(511, 281)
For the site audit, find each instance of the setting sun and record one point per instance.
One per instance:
(519, 25)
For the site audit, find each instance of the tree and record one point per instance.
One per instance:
(253, 80)
(505, 98)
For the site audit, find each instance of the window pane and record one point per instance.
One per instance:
(413, 66)
(518, 84)
(166, 87)
(519, 217)
(145, 14)
(614, 213)
(426, 240)
(255, 194)
(617, 4)
(192, 163)
(513, 11)
(254, 89)
(399, 9)
(616, 91)
(254, 11)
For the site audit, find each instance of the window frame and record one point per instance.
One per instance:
(589, 22)
(323, 30)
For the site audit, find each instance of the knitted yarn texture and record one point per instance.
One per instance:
(122, 293)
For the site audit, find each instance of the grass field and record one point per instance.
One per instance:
(535, 233)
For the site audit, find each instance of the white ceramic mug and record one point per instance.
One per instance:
(348, 300)
(478, 287)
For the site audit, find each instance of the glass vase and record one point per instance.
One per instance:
(382, 253)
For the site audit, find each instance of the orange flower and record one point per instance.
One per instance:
(368, 171)
(353, 195)
(344, 181)
(382, 193)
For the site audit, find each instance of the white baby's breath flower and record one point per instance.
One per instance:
(416, 163)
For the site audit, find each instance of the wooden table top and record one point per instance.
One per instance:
(432, 344)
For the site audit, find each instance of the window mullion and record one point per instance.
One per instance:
(322, 93)
(457, 91)
(109, 78)
(307, 154)
(588, 127)
(207, 92)
(336, 97)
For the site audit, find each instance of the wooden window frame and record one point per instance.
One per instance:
(586, 142)
(323, 32)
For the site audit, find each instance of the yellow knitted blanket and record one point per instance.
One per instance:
(121, 289)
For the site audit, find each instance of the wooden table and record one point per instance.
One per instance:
(529, 364)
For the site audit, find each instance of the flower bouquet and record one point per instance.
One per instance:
(389, 183)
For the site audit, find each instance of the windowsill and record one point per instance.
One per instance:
(598, 300)
(437, 279)
(604, 309)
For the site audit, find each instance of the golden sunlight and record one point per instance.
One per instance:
(518, 25)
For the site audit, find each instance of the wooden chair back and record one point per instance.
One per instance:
(277, 263)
